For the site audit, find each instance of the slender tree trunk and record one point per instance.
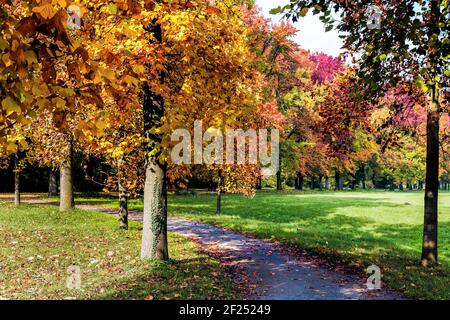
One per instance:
(298, 181)
(338, 180)
(363, 167)
(52, 184)
(313, 183)
(123, 208)
(430, 230)
(16, 181)
(279, 184)
(259, 184)
(219, 194)
(66, 180)
(320, 183)
(327, 183)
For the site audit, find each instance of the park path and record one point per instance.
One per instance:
(264, 269)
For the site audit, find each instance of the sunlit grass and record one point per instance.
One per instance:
(354, 228)
(39, 243)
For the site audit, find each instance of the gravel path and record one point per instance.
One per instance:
(267, 268)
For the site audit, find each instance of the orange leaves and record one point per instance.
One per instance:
(46, 11)
(213, 10)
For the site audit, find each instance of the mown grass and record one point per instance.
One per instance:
(354, 228)
(39, 243)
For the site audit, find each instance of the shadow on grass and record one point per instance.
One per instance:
(181, 279)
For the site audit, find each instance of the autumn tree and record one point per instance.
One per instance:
(411, 41)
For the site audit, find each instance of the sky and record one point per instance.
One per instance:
(311, 35)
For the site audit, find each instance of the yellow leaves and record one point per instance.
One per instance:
(11, 147)
(102, 72)
(23, 144)
(101, 124)
(108, 74)
(131, 81)
(46, 11)
(138, 69)
(10, 106)
(6, 58)
(40, 90)
(59, 103)
(31, 57)
(42, 103)
(3, 44)
(112, 8)
(62, 3)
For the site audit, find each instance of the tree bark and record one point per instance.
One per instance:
(123, 208)
(219, 194)
(259, 184)
(52, 184)
(313, 183)
(327, 183)
(338, 180)
(66, 180)
(430, 227)
(154, 232)
(16, 181)
(301, 182)
(279, 184)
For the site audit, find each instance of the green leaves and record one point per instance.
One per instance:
(112, 8)
(303, 12)
(418, 81)
(276, 10)
(3, 44)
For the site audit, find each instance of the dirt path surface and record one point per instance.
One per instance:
(267, 269)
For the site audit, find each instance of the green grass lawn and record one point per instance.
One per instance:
(38, 244)
(354, 228)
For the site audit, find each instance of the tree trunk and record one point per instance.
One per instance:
(327, 183)
(219, 194)
(66, 180)
(430, 228)
(154, 232)
(259, 184)
(363, 168)
(421, 185)
(52, 184)
(338, 180)
(123, 208)
(16, 181)
(301, 182)
(279, 184)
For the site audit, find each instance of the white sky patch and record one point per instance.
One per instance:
(312, 35)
